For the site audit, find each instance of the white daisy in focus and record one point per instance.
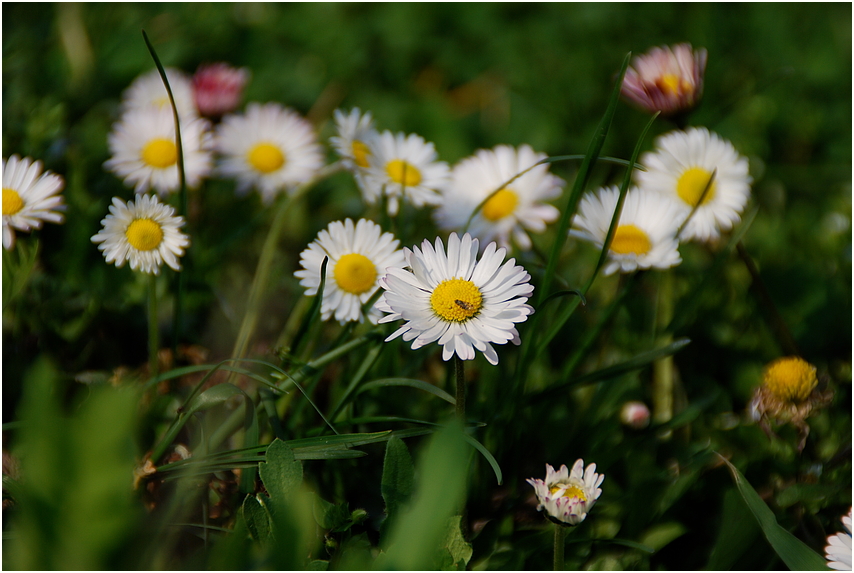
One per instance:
(516, 208)
(355, 132)
(462, 303)
(645, 236)
(144, 153)
(838, 550)
(404, 167)
(270, 148)
(145, 232)
(682, 167)
(358, 256)
(30, 197)
(148, 90)
(568, 496)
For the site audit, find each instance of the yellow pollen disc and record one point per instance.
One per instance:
(456, 300)
(692, 183)
(500, 205)
(266, 157)
(160, 153)
(629, 239)
(361, 154)
(791, 378)
(403, 173)
(144, 234)
(571, 491)
(12, 202)
(355, 273)
(669, 84)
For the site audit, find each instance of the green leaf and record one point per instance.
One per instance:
(332, 516)
(256, 517)
(459, 551)
(311, 316)
(427, 387)
(486, 454)
(660, 535)
(281, 474)
(18, 265)
(795, 553)
(737, 533)
(398, 480)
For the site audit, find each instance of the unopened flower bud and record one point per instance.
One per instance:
(635, 415)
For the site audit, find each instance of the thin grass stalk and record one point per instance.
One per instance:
(153, 334)
(559, 546)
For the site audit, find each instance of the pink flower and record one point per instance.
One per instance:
(666, 80)
(217, 88)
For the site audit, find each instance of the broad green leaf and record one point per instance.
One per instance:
(281, 474)
(398, 478)
(795, 553)
(459, 552)
(426, 386)
(256, 517)
(661, 534)
(333, 516)
(737, 533)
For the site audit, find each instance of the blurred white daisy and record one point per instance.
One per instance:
(148, 90)
(568, 496)
(270, 148)
(516, 208)
(645, 236)
(404, 167)
(30, 197)
(145, 232)
(144, 153)
(462, 303)
(355, 132)
(358, 256)
(838, 550)
(681, 168)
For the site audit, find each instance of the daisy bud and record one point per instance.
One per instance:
(217, 88)
(665, 79)
(567, 496)
(635, 415)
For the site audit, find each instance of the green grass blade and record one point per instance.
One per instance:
(486, 454)
(313, 312)
(418, 384)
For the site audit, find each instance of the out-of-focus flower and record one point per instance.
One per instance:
(789, 394)
(270, 147)
(404, 167)
(838, 550)
(145, 232)
(645, 236)
(687, 164)
(516, 207)
(148, 90)
(669, 80)
(568, 496)
(144, 153)
(355, 134)
(635, 415)
(358, 256)
(30, 197)
(462, 303)
(217, 88)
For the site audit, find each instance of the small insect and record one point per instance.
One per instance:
(463, 305)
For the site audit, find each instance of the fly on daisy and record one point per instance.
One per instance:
(270, 148)
(30, 197)
(697, 168)
(645, 236)
(455, 300)
(404, 167)
(145, 155)
(144, 232)
(515, 209)
(358, 256)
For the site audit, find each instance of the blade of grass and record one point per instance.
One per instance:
(418, 384)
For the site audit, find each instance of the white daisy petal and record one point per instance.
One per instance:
(30, 197)
(148, 90)
(566, 496)
(838, 550)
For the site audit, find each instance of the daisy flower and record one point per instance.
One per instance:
(270, 148)
(217, 88)
(148, 90)
(404, 166)
(682, 167)
(568, 496)
(838, 550)
(462, 303)
(645, 236)
(145, 232)
(144, 153)
(515, 208)
(358, 255)
(30, 197)
(355, 132)
(666, 79)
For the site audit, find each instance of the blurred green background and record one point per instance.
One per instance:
(464, 76)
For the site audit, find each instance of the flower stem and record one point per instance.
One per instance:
(560, 539)
(153, 334)
(460, 371)
(662, 369)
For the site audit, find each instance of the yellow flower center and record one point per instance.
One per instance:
(571, 491)
(266, 157)
(674, 85)
(500, 205)
(403, 173)
(692, 183)
(144, 234)
(361, 152)
(629, 239)
(12, 202)
(791, 378)
(160, 153)
(456, 300)
(355, 273)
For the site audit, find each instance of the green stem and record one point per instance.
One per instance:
(460, 378)
(153, 334)
(560, 543)
(662, 369)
